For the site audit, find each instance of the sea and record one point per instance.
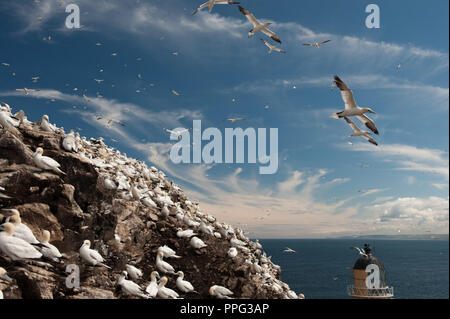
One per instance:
(321, 268)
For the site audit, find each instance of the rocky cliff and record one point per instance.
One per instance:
(79, 205)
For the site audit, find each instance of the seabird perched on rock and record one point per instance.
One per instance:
(197, 243)
(48, 250)
(4, 276)
(220, 292)
(16, 248)
(164, 292)
(232, 252)
(351, 108)
(258, 26)
(45, 162)
(21, 231)
(129, 287)
(168, 252)
(185, 233)
(183, 285)
(69, 142)
(46, 126)
(91, 256)
(134, 272)
(210, 4)
(152, 288)
(8, 123)
(162, 265)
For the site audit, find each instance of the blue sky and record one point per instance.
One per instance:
(324, 186)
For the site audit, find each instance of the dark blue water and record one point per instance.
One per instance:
(321, 268)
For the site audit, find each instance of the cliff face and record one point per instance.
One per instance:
(77, 206)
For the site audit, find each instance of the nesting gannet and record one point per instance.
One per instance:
(129, 287)
(69, 142)
(45, 162)
(21, 231)
(236, 242)
(8, 123)
(168, 252)
(134, 272)
(46, 126)
(91, 256)
(220, 292)
(15, 248)
(23, 119)
(258, 26)
(164, 292)
(232, 252)
(289, 250)
(162, 265)
(165, 211)
(148, 202)
(183, 285)
(197, 243)
(272, 47)
(205, 229)
(351, 108)
(152, 288)
(185, 233)
(316, 44)
(210, 4)
(358, 132)
(48, 250)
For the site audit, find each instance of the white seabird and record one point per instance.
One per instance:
(134, 272)
(183, 285)
(168, 252)
(4, 276)
(210, 4)
(163, 266)
(8, 123)
(351, 108)
(358, 132)
(272, 48)
(21, 231)
(48, 250)
(26, 91)
(46, 126)
(220, 292)
(197, 243)
(232, 252)
(15, 248)
(91, 256)
(185, 233)
(152, 288)
(289, 250)
(45, 162)
(316, 44)
(258, 26)
(164, 292)
(360, 251)
(129, 287)
(69, 142)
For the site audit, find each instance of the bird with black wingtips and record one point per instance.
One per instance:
(210, 4)
(359, 132)
(351, 108)
(258, 26)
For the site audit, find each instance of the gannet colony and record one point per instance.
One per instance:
(79, 219)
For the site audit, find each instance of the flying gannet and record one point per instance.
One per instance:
(360, 251)
(110, 121)
(289, 250)
(45, 162)
(258, 26)
(129, 287)
(272, 47)
(183, 285)
(315, 44)
(220, 292)
(351, 108)
(358, 132)
(164, 292)
(236, 119)
(178, 133)
(15, 248)
(210, 4)
(26, 91)
(152, 288)
(91, 256)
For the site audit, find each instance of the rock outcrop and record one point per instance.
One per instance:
(79, 206)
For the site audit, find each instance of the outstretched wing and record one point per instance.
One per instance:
(323, 42)
(352, 125)
(368, 122)
(346, 93)
(271, 34)
(250, 17)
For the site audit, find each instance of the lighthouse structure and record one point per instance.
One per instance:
(369, 277)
